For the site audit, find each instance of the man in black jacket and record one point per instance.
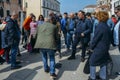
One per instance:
(82, 33)
(1, 59)
(12, 38)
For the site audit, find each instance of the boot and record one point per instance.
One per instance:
(72, 56)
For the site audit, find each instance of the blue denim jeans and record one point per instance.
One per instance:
(51, 54)
(69, 38)
(14, 50)
(102, 72)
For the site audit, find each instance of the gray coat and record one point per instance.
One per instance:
(47, 36)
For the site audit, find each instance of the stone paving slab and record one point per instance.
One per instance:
(71, 70)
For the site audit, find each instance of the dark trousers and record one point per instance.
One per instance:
(32, 41)
(14, 50)
(7, 54)
(27, 34)
(76, 41)
(65, 37)
(119, 47)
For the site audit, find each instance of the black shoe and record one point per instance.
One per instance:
(82, 59)
(2, 61)
(90, 78)
(117, 73)
(53, 75)
(19, 55)
(98, 77)
(71, 57)
(18, 62)
(25, 46)
(47, 70)
(16, 67)
(58, 65)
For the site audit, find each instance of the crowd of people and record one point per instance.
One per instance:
(94, 32)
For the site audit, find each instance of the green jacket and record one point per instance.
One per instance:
(47, 36)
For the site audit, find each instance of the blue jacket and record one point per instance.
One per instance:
(110, 23)
(64, 24)
(116, 33)
(71, 25)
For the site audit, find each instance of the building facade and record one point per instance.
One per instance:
(114, 4)
(103, 2)
(43, 7)
(104, 5)
(90, 8)
(8, 6)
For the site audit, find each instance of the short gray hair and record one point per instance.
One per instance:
(14, 13)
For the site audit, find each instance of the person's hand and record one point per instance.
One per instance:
(82, 34)
(90, 50)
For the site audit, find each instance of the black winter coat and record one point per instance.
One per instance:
(100, 45)
(84, 26)
(11, 33)
(0, 40)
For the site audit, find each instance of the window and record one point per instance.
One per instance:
(8, 12)
(47, 5)
(116, 4)
(44, 13)
(44, 3)
(26, 5)
(19, 2)
(47, 13)
(1, 12)
(19, 15)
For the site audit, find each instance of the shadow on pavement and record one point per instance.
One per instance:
(116, 66)
(68, 65)
(26, 59)
(113, 48)
(25, 74)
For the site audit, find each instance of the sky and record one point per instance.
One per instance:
(74, 5)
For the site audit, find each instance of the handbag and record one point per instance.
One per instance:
(86, 69)
(29, 47)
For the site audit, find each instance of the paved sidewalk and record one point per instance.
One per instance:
(71, 70)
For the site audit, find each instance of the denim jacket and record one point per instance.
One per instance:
(116, 33)
(63, 24)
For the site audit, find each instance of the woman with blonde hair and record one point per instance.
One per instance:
(100, 47)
